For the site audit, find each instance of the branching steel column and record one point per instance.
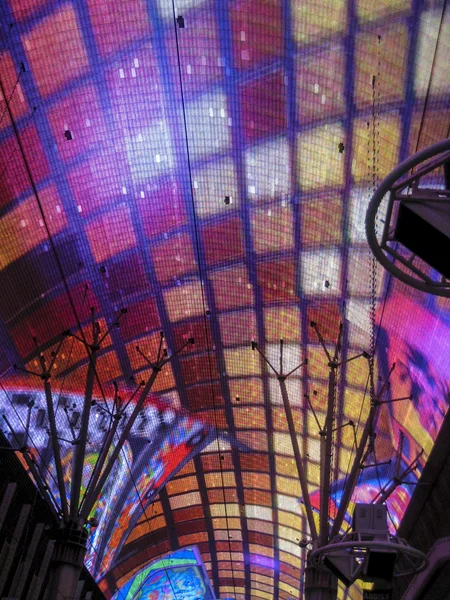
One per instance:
(298, 457)
(326, 453)
(55, 446)
(80, 447)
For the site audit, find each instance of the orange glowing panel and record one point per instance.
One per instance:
(17, 102)
(223, 241)
(276, 279)
(242, 361)
(116, 24)
(78, 117)
(272, 229)
(249, 416)
(108, 367)
(385, 57)
(246, 391)
(184, 301)
(320, 90)
(320, 223)
(173, 257)
(111, 233)
(238, 327)
(56, 51)
(23, 228)
(232, 288)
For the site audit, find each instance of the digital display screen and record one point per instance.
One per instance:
(208, 167)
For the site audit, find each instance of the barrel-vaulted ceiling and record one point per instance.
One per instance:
(207, 166)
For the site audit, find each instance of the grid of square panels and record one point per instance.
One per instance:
(213, 179)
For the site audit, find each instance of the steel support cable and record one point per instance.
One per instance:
(50, 237)
(202, 284)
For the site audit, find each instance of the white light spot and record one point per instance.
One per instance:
(189, 69)
(242, 36)
(316, 88)
(79, 208)
(142, 194)
(58, 208)
(251, 189)
(23, 223)
(222, 113)
(158, 158)
(88, 122)
(133, 72)
(211, 111)
(124, 190)
(121, 74)
(323, 99)
(136, 62)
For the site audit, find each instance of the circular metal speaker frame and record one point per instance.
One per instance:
(395, 184)
(358, 544)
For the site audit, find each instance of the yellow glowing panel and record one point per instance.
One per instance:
(190, 499)
(282, 443)
(387, 140)
(220, 479)
(287, 588)
(367, 10)
(384, 57)
(272, 229)
(287, 519)
(211, 184)
(184, 301)
(22, 229)
(353, 401)
(289, 559)
(261, 591)
(358, 372)
(220, 510)
(285, 466)
(318, 362)
(111, 233)
(313, 473)
(282, 323)
(320, 164)
(318, 19)
(288, 486)
(241, 362)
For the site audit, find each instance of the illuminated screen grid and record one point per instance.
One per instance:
(290, 120)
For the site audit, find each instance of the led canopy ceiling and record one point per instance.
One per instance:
(207, 165)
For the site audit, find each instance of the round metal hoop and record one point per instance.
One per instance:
(358, 544)
(389, 184)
